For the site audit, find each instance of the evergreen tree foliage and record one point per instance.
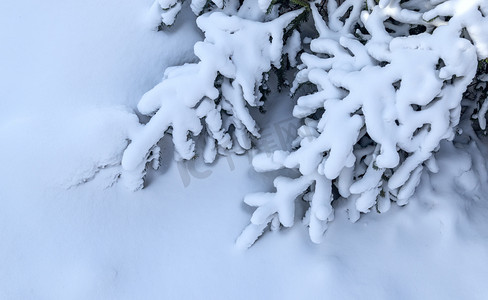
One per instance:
(392, 79)
(211, 99)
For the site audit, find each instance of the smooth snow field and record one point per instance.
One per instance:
(71, 74)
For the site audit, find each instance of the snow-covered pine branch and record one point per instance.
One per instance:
(210, 98)
(168, 10)
(390, 78)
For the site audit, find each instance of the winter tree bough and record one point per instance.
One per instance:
(223, 85)
(389, 78)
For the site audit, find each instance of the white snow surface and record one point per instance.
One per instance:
(70, 74)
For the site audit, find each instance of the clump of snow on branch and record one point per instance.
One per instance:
(481, 98)
(169, 9)
(210, 98)
(390, 78)
(166, 11)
